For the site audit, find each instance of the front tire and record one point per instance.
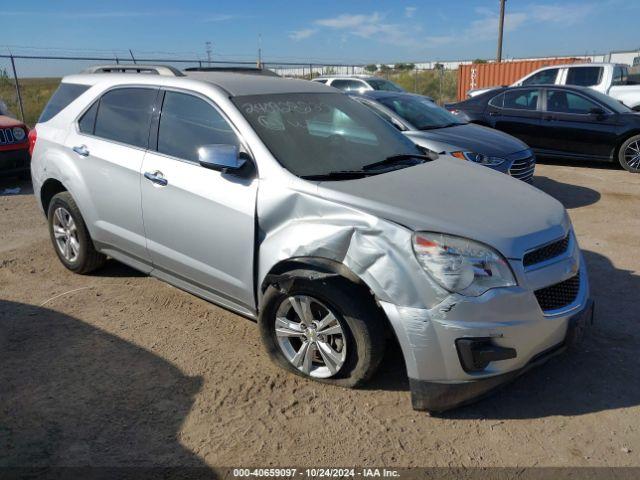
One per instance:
(629, 154)
(325, 329)
(70, 236)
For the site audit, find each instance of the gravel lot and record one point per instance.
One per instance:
(117, 368)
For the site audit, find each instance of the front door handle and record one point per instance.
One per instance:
(549, 118)
(81, 150)
(156, 177)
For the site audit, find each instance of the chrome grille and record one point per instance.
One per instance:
(523, 166)
(559, 295)
(547, 252)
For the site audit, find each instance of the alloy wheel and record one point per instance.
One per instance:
(632, 155)
(310, 336)
(66, 234)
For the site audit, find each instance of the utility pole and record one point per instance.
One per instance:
(500, 30)
(208, 47)
(259, 50)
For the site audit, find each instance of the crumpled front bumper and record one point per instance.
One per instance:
(507, 319)
(438, 397)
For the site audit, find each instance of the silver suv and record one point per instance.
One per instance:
(294, 205)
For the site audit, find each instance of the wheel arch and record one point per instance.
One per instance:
(621, 140)
(284, 273)
(49, 189)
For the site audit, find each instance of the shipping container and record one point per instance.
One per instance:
(480, 75)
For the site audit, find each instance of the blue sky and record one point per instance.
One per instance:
(320, 30)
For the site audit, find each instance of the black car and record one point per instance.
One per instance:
(560, 121)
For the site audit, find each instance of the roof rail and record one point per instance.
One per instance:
(165, 70)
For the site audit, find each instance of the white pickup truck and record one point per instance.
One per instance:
(609, 78)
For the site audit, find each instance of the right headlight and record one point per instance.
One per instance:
(485, 160)
(461, 265)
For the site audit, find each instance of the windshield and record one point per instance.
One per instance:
(385, 85)
(318, 133)
(610, 102)
(420, 112)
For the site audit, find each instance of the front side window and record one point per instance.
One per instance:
(584, 76)
(124, 115)
(545, 77)
(566, 102)
(318, 133)
(420, 112)
(521, 99)
(187, 123)
(348, 85)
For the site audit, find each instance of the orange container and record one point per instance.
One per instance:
(480, 75)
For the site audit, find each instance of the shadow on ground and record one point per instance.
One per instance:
(73, 395)
(571, 196)
(15, 186)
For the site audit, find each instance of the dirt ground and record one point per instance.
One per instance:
(117, 368)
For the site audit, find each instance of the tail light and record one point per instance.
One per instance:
(33, 136)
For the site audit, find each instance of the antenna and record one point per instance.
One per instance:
(259, 50)
(208, 48)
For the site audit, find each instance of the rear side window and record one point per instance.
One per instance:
(543, 77)
(620, 76)
(63, 96)
(187, 123)
(584, 76)
(521, 100)
(124, 115)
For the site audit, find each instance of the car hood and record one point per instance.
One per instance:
(8, 122)
(473, 138)
(450, 196)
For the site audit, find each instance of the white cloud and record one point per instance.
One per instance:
(409, 12)
(370, 25)
(219, 17)
(567, 14)
(298, 35)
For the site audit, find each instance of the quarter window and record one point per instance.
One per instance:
(547, 77)
(124, 115)
(88, 121)
(567, 102)
(584, 76)
(187, 123)
(521, 100)
(63, 96)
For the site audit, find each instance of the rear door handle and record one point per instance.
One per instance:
(549, 118)
(493, 114)
(156, 177)
(81, 150)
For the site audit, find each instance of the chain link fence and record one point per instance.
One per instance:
(28, 81)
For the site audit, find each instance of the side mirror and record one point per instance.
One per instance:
(220, 157)
(597, 111)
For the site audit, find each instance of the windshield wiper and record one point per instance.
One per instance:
(338, 175)
(402, 159)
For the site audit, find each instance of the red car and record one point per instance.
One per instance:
(14, 148)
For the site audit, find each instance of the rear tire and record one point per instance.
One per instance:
(70, 237)
(629, 154)
(358, 343)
